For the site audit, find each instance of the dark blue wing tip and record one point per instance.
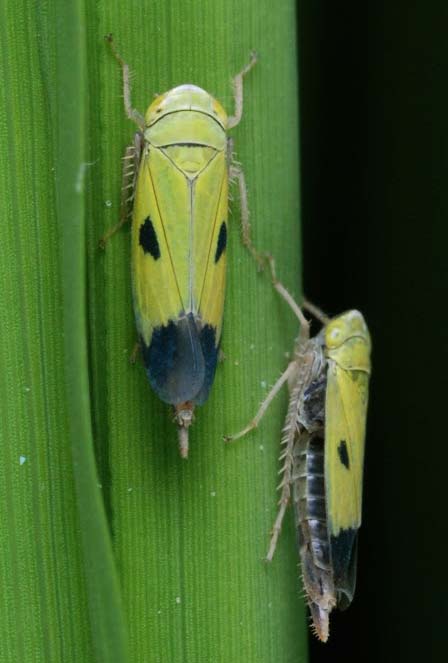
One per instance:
(181, 360)
(343, 556)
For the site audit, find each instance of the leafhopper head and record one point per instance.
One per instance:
(347, 341)
(185, 98)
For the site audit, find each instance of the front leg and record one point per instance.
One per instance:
(237, 83)
(131, 112)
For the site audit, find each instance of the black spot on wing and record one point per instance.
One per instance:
(222, 241)
(174, 361)
(343, 454)
(148, 239)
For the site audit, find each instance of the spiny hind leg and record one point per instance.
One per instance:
(237, 84)
(131, 112)
(277, 527)
(131, 162)
(289, 436)
(265, 404)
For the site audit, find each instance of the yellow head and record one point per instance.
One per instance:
(185, 97)
(347, 341)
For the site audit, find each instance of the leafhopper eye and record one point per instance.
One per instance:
(335, 334)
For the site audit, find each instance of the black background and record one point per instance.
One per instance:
(374, 159)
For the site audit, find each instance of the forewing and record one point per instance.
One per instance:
(160, 244)
(210, 241)
(345, 420)
(161, 248)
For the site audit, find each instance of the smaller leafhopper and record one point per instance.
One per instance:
(323, 453)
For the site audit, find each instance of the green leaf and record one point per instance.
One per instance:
(146, 548)
(58, 573)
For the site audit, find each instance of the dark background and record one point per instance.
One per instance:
(374, 159)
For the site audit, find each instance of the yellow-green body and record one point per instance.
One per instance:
(323, 452)
(334, 372)
(176, 175)
(178, 271)
(347, 351)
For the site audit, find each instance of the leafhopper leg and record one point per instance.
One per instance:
(131, 161)
(235, 171)
(236, 174)
(277, 527)
(316, 312)
(131, 112)
(237, 84)
(287, 457)
(265, 404)
(283, 292)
